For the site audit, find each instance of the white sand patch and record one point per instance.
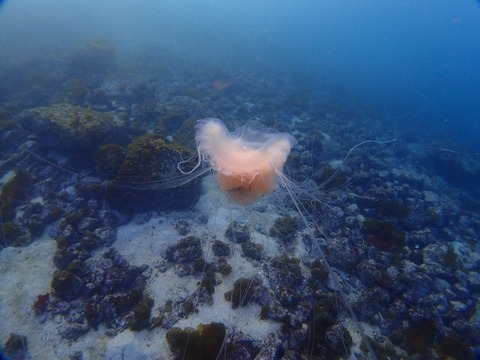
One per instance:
(142, 345)
(168, 286)
(144, 244)
(25, 273)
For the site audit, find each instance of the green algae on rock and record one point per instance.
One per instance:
(146, 178)
(238, 233)
(141, 315)
(109, 158)
(284, 228)
(74, 128)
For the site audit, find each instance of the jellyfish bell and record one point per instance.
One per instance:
(248, 162)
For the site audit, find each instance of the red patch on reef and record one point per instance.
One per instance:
(379, 242)
(384, 235)
(40, 304)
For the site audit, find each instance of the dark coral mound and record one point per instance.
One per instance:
(187, 250)
(15, 347)
(114, 288)
(424, 339)
(327, 339)
(252, 250)
(384, 235)
(14, 194)
(284, 228)
(22, 216)
(204, 343)
(286, 279)
(219, 248)
(81, 231)
(330, 178)
(109, 158)
(243, 292)
(146, 178)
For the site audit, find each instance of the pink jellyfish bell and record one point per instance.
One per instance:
(248, 162)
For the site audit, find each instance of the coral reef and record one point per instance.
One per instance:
(109, 158)
(187, 250)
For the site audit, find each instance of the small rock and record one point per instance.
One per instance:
(186, 250)
(15, 347)
(105, 235)
(474, 281)
(238, 233)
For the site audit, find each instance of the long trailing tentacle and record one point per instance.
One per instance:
(331, 177)
(197, 165)
(336, 282)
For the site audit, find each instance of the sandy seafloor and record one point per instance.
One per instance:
(27, 272)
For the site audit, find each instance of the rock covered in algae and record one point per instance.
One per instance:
(74, 128)
(243, 292)
(286, 278)
(147, 178)
(284, 228)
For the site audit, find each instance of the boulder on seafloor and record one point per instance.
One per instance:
(75, 129)
(148, 178)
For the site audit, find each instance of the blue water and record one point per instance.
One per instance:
(404, 58)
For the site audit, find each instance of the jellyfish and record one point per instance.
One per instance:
(248, 163)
